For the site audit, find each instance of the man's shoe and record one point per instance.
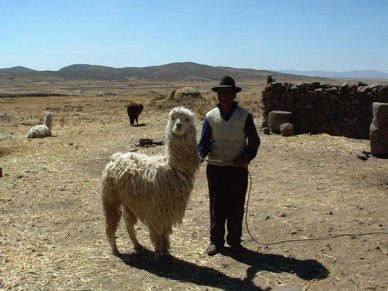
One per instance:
(212, 249)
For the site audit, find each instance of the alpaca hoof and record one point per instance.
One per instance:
(163, 256)
(167, 257)
(139, 248)
(116, 253)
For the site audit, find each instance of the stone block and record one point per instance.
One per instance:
(379, 142)
(276, 118)
(380, 115)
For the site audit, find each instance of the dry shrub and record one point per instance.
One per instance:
(187, 96)
(193, 99)
(185, 92)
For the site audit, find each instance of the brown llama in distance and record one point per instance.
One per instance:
(134, 109)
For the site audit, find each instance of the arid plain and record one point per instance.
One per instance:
(316, 219)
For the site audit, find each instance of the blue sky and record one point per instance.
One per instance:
(331, 35)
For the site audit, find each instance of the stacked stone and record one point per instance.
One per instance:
(341, 110)
(379, 130)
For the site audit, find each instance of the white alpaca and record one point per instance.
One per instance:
(42, 130)
(152, 189)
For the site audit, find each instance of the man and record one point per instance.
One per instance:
(230, 141)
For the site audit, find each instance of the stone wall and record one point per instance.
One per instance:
(342, 110)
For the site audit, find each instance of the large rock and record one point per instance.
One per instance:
(379, 130)
(287, 129)
(380, 115)
(379, 142)
(276, 118)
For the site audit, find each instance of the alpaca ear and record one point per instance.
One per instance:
(192, 114)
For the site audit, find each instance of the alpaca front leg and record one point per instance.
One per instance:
(130, 220)
(165, 241)
(155, 237)
(158, 255)
(161, 243)
(162, 248)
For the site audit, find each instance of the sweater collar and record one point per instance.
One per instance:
(226, 115)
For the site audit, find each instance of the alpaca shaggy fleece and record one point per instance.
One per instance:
(42, 130)
(153, 189)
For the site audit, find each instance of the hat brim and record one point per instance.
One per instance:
(218, 88)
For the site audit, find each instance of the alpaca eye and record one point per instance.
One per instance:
(172, 117)
(187, 119)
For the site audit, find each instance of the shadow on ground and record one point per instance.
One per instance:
(304, 269)
(179, 270)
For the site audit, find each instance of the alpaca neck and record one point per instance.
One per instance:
(182, 154)
(47, 122)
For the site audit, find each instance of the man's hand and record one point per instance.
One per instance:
(242, 162)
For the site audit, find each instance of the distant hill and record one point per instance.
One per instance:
(179, 71)
(17, 69)
(366, 74)
(170, 72)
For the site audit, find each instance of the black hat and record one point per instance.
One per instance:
(227, 82)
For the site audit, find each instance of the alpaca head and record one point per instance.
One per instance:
(181, 120)
(48, 119)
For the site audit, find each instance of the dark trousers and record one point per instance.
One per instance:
(227, 190)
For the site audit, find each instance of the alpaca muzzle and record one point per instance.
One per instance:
(178, 126)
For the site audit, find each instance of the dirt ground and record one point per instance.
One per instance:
(316, 219)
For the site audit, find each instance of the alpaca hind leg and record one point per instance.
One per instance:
(130, 220)
(112, 218)
(112, 222)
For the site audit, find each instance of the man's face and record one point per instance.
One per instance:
(226, 96)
